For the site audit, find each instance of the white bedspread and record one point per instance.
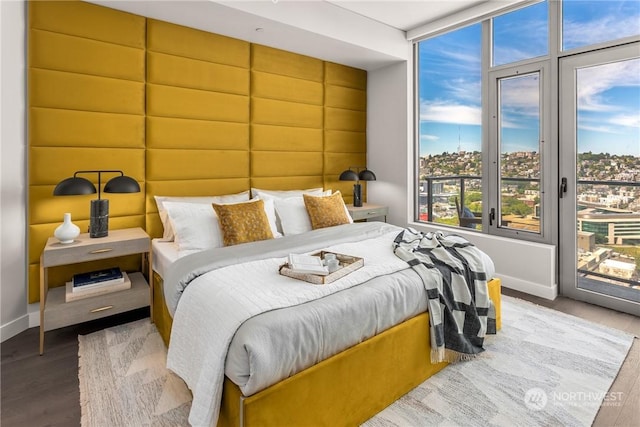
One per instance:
(215, 304)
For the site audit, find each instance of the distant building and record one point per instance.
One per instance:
(618, 226)
(586, 241)
(611, 267)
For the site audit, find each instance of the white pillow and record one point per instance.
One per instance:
(195, 225)
(169, 234)
(293, 215)
(258, 192)
(270, 210)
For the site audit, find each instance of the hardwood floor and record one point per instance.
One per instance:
(43, 390)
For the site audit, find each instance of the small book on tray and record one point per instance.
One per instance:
(307, 264)
(100, 278)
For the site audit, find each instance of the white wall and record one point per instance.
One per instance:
(13, 258)
(388, 135)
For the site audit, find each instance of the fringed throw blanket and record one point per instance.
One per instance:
(460, 310)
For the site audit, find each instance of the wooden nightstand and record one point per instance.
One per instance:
(53, 308)
(368, 211)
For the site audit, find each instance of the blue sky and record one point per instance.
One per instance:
(608, 95)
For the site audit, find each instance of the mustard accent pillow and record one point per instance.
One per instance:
(243, 222)
(326, 211)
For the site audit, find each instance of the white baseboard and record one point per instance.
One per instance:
(531, 288)
(14, 327)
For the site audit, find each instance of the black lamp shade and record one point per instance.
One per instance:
(367, 175)
(74, 186)
(122, 184)
(99, 214)
(348, 175)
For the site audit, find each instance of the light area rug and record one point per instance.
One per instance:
(543, 368)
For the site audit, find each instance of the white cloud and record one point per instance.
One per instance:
(609, 27)
(450, 113)
(429, 137)
(601, 129)
(594, 81)
(464, 91)
(628, 120)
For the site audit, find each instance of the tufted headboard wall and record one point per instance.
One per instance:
(183, 111)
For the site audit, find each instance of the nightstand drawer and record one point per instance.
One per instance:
(60, 313)
(118, 243)
(367, 213)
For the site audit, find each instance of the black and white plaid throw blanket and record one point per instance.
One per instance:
(460, 310)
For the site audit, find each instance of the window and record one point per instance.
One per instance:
(519, 136)
(497, 74)
(449, 130)
(522, 34)
(586, 23)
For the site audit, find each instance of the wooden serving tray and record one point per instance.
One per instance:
(347, 263)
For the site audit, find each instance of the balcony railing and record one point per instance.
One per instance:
(428, 186)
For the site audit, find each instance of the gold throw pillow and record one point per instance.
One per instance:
(326, 211)
(243, 222)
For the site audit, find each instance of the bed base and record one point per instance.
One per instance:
(346, 389)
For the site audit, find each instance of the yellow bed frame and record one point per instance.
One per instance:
(345, 389)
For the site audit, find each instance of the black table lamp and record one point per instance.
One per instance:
(99, 217)
(360, 174)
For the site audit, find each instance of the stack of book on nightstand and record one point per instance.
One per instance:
(96, 283)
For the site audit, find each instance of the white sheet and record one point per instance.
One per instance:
(201, 334)
(163, 254)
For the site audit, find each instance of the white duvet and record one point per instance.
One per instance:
(215, 304)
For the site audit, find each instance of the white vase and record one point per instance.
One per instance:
(67, 231)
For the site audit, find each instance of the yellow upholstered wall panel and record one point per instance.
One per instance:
(345, 125)
(73, 128)
(85, 56)
(287, 119)
(196, 164)
(283, 138)
(89, 21)
(341, 75)
(284, 88)
(276, 61)
(276, 163)
(281, 113)
(178, 102)
(71, 91)
(167, 132)
(196, 74)
(343, 119)
(338, 141)
(187, 42)
(198, 112)
(86, 68)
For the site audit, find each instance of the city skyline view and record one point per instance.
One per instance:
(608, 95)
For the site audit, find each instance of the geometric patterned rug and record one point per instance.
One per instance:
(124, 380)
(543, 368)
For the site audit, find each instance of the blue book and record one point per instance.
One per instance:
(109, 275)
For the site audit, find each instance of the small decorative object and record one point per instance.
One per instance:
(67, 231)
(99, 213)
(345, 265)
(333, 265)
(360, 174)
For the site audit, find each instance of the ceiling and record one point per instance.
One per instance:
(405, 15)
(366, 34)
